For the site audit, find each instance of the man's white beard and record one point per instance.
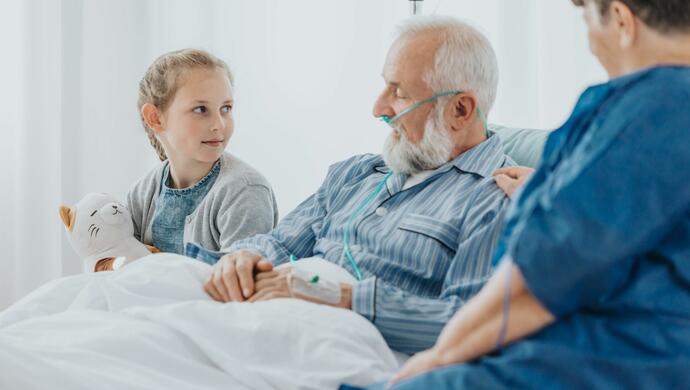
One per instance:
(402, 156)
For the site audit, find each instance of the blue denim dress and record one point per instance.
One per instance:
(174, 205)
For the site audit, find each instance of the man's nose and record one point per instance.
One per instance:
(382, 107)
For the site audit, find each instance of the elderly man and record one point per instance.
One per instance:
(418, 225)
(594, 288)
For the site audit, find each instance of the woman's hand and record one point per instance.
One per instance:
(511, 178)
(476, 328)
(420, 363)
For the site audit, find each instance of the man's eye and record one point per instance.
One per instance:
(226, 108)
(399, 94)
(200, 110)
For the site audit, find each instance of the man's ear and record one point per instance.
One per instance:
(625, 22)
(152, 117)
(460, 111)
(67, 214)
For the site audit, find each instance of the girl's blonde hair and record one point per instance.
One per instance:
(162, 80)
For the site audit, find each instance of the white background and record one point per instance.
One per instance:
(307, 73)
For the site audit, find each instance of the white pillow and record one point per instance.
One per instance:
(524, 146)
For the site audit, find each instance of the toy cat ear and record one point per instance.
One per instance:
(67, 214)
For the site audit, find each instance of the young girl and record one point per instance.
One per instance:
(199, 193)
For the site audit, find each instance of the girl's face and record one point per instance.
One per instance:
(198, 123)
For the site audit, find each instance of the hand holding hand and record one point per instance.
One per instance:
(278, 284)
(232, 278)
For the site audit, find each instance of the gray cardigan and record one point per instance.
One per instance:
(240, 204)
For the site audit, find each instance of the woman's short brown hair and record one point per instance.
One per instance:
(665, 16)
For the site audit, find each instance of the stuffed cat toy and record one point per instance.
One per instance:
(100, 230)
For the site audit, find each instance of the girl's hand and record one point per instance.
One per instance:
(152, 249)
(512, 178)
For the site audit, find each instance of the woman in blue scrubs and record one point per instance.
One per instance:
(593, 285)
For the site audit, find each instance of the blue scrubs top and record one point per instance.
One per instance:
(601, 233)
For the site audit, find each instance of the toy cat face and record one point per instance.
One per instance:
(96, 223)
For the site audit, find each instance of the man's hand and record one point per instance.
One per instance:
(276, 284)
(232, 278)
(418, 364)
(512, 178)
(272, 285)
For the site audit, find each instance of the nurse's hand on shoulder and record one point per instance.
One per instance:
(232, 278)
(511, 178)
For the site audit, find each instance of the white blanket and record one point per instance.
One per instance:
(151, 326)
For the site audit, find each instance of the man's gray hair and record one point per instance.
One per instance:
(465, 60)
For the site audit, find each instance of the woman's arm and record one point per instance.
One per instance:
(475, 329)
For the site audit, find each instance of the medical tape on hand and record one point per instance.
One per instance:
(310, 285)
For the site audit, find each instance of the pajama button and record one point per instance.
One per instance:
(381, 211)
(188, 219)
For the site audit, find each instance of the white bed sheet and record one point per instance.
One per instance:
(151, 326)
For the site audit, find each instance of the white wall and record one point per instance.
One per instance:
(10, 79)
(307, 73)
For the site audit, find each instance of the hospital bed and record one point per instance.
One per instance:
(151, 326)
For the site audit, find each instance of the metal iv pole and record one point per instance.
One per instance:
(416, 7)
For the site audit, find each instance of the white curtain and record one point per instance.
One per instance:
(307, 74)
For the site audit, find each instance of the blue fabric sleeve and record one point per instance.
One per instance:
(296, 232)
(595, 216)
(293, 236)
(197, 252)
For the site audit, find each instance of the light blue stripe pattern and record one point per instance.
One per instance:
(196, 251)
(423, 251)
